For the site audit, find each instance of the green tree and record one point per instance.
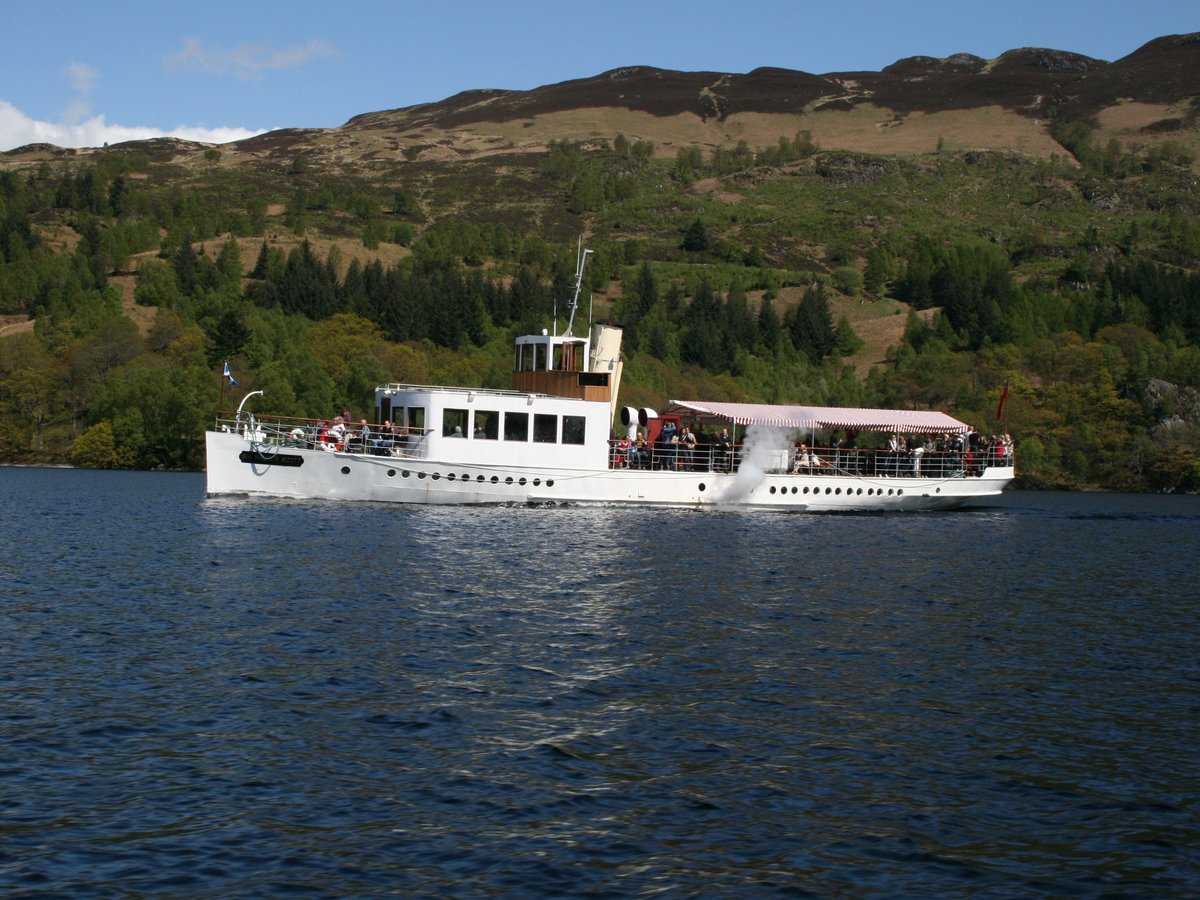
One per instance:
(96, 448)
(810, 324)
(695, 237)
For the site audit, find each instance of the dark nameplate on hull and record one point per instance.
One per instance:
(271, 459)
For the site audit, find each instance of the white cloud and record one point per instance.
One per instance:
(82, 77)
(247, 62)
(18, 129)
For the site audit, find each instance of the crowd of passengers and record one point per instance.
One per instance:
(682, 449)
(340, 433)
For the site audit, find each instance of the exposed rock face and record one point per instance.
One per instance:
(1171, 404)
(850, 169)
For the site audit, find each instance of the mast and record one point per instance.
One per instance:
(581, 261)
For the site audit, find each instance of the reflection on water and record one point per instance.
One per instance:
(220, 697)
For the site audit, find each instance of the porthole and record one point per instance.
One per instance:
(937, 490)
(405, 473)
(899, 492)
(549, 482)
(521, 482)
(437, 475)
(466, 477)
(508, 480)
(495, 479)
(345, 470)
(806, 489)
(451, 476)
(391, 473)
(479, 478)
(702, 487)
(889, 492)
(860, 492)
(536, 482)
(838, 491)
(772, 489)
(830, 490)
(420, 474)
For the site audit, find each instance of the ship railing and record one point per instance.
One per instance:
(871, 463)
(271, 434)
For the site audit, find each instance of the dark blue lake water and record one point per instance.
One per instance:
(205, 698)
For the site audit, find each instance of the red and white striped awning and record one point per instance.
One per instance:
(801, 418)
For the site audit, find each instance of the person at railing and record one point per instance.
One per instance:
(1004, 445)
(724, 457)
(806, 462)
(382, 444)
(891, 457)
(687, 449)
(637, 452)
(337, 432)
(360, 439)
(917, 453)
(668, 446)
(620, 452)
(325, 439)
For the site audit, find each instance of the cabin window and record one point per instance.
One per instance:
(545, 429)
(384, 413)
(487, 425)
(454, 423)
(539, 358)
(573, 430)
(416, 419)
(516, 426)
(525, 357)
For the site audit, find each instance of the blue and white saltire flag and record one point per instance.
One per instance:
(229, 375)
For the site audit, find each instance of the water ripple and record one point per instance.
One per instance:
(253, 699)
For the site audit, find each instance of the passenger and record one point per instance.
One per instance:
(806, 461)
(326, 439)
(621, 453)
(835, 444)
(386, 439)
(999, 450)
(457, 431)
(637, 452)
(891, 465)
(338, 432)
(668, 447)
(724, 451)
(687, 446)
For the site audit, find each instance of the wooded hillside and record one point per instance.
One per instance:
(1052, 249)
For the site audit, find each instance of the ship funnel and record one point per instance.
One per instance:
(606, 357)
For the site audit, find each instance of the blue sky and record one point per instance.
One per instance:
(83, 73)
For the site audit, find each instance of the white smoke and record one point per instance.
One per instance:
(763, 448)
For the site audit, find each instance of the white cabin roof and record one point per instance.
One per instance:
(908, 421)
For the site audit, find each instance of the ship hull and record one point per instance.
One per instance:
(238, 466)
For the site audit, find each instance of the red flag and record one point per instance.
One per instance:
(1003, 400)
